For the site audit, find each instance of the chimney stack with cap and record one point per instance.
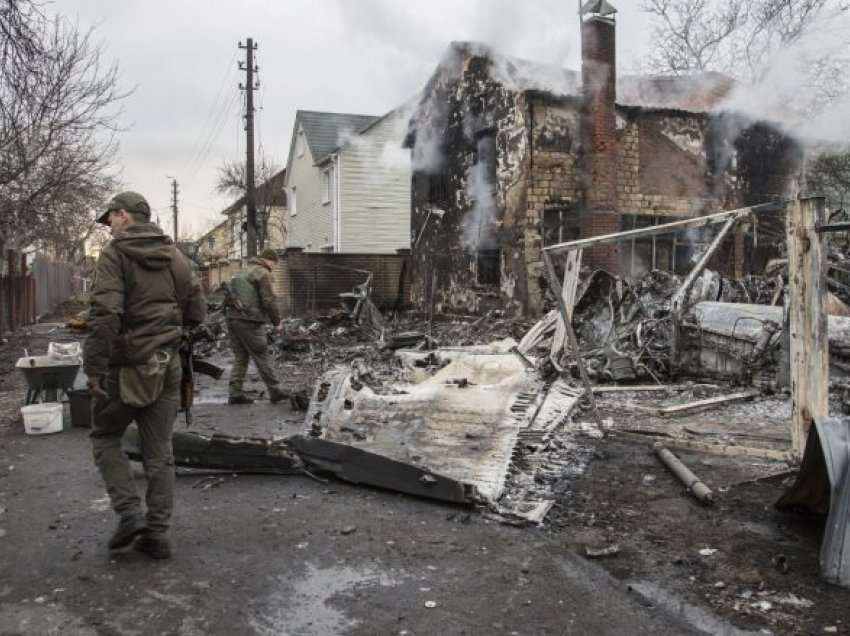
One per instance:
(599, 85)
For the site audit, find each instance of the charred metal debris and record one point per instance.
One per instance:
(489, 411)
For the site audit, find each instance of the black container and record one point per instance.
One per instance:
(80, 402)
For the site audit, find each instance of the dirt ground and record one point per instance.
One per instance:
(291, 555)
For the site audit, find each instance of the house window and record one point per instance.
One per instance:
(438, 189)
(669, 252)
(300, 144)
(293, 202)
(327, 184)
(211, 242)
(485, 154)
(488, 266)
(560, 225)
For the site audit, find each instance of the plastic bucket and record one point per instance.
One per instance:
(41, 419)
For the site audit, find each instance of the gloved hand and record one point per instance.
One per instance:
(97, 390)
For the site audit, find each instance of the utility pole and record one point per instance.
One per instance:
(174, 205)
(250, 194)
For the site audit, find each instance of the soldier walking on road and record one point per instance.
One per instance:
(250, 304)
(144, 294)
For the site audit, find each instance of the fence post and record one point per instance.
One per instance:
(807, 317)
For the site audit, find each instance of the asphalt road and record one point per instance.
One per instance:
(282, 556)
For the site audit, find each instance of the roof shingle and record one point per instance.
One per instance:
(325, 132)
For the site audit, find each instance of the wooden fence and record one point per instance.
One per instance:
(29, 292)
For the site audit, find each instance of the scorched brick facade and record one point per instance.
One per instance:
(510, 156)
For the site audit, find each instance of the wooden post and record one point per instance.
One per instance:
(566, 315)
(807, 318)
(572, 266)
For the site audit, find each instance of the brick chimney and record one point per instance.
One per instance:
(599, 86)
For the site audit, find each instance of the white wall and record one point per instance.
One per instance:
(310, 222)
(374, 189)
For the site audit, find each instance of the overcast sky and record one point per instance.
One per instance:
(357, 56)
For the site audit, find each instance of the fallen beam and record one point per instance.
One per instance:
(699, 404)
(625, 388)
(726, 450)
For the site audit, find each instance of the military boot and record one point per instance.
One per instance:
(155, 544)
(239, 399)
(128, 528)
(276, 395)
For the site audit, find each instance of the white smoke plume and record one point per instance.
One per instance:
(803, 87)
(479, 222)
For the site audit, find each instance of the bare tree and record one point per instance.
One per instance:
(829, 174)
(58, 119)
(736, 37)
(742, 39)
(694, 35)
(231, 181)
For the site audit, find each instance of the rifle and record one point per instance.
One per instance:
(231, 299)
(187, 380)
(190, 364)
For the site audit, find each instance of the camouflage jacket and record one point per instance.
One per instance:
(144, 293)
(251, 295)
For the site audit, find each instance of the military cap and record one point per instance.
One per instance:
(269, 254)
(130, 201)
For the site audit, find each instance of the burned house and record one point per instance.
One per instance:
(510, 156)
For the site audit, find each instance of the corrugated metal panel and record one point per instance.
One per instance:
(375, 190)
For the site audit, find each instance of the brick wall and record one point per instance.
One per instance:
(598, 48)
(553, 180)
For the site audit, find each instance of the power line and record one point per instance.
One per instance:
(219, 98)
(214, 135)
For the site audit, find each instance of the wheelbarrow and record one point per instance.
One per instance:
(46, 376)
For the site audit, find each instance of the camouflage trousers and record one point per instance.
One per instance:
(110, 419)
(248, 342)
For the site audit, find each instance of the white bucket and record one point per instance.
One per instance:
(41, 419)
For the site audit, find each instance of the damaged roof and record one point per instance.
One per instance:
(699, 92)
(325, 131)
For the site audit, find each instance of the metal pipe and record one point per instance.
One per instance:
(699, 221)
(694, 485)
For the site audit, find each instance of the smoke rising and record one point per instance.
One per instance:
(479, 222)
(803, 87)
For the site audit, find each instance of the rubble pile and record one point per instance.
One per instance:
(625, 328)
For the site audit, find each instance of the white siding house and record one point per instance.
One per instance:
(374, 188)
(348, 183)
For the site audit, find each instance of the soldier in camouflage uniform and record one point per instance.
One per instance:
(144, 293)
(250, 305)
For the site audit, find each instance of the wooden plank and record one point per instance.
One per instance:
(552, 278)
(721, 399)
(571, 275)
(649, 387)
(675, 226)
(807, 318)
(727, 450)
